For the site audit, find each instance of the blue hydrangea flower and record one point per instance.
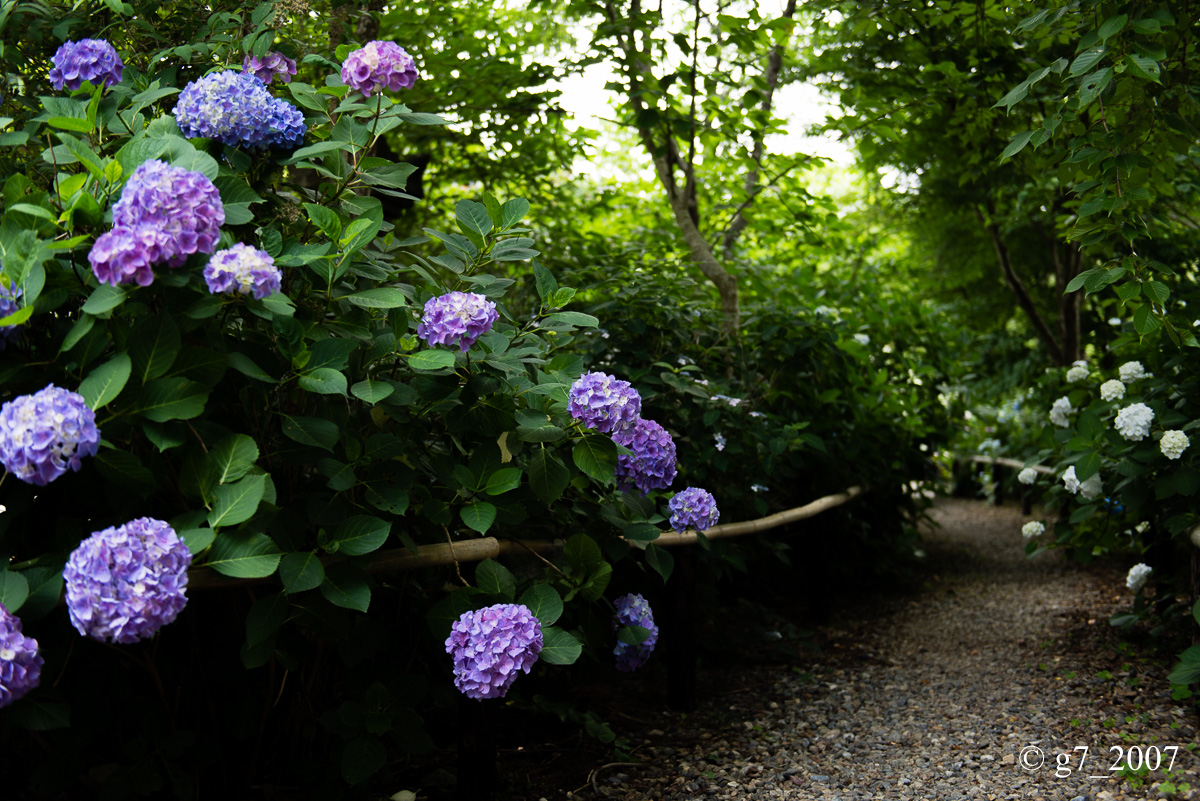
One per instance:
(243, 269)
(127, 254)
(652, 465)
(127, 582)
(491, 646)
(236, 109)
(604, 403)
(458, 318)
(92, 60)
(9, 305)
(693, 508)
(379, 65)
(45, 434)
(632, 610)
(270, 65)
(182, 204)
(20, 662)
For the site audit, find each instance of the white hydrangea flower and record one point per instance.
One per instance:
(1138, 574)
(1093, 488)
(720, 440)
(1133, 422)
(1131, 371)
(757, 488)
(1173, 444)
(1112, 390)
(1034, 528)
(1027, 476)
(862, 339)
(1069, 480)
(1077, 373)
(1059, 411)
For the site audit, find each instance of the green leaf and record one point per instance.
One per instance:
(125, 470)
(233, 457)
(503, 480)
(21, 315)
(1086, 60)
(662, 562)
(45, 586)
(1187, 671)
(246, 366)
(548, 476)
(1088, 466)
(546, 285)
(431, 360)
(582, 554)
(363, 758)
(1157, 291)
(494, 578)
(244, 555)
(1144, 321)
(473, 219)
(384, 297)
(559, 647)
(358, 535)
(153, 345)
(236, 503)
(14, 589)
(544, 602)
(574, 318)
(265, 617)
(633, 635)
(1016, 145)
(105, 383)
(324, 381)
(197, 539)
(512, 212)
(1143, 67)
(325, 219)
(596, 456)
(1112, 26)
(104, 298)
(388, 499)
(478, 515)
(301, 571)
(172, 399)
(642, 532)
(315, 431)
(594, 587)
(372, 391)
(346, 586)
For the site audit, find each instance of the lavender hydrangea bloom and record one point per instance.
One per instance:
(604, 403)
(269, 66)
(379, 65)
(9, 305)
(127, 582)
(182, 204)
(127, 254)
(693, 508)
(490, 646)
(652, 465)
(20, 663)
(458, 318)
(243, 269)
(92, 60)
(236, 109)
(632, 610)
(45, 434)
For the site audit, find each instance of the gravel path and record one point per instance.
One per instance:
(933, 696)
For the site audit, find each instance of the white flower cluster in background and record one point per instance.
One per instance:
(1132, 371)
(1091, 489)
(1027, 476)
(1059, 411)
(1173, 444)
(1077, 372)
(1133, 422)
(1034, 528)
(1138, 574)
(1112, 390)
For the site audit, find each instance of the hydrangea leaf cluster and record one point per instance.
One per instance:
(604, 403)
(1112, 390)
(693, 508)
(1027, 476)
(1173, 444)
(652, 465)
(457, 318)
(242, 269)
(125, 583)
(20, 662)
(491, 646)
(379, 65)
(1133, 422)
(632, 610)
(268, 67)
(1059, 411)
(9, 304)
(1138, 575)
(93, 60)
(1034, 528)
(45, 434)
(236, 109)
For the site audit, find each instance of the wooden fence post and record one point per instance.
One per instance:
(680, 635)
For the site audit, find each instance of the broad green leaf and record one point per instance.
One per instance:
(358, 535)
(388, 499)
(1143, 67)
(1187, 670)
(546, 285)
(496, 579)
(503, 480)
(239, 555)
(125, 470)
(1157, 291)
(346, 586)
(559, 647)
(1086, 60)
(265, 617)
(14, 589)
(512, 212)
(662, 562)
(596, 456)
(44, 586)
(544, 602)
(105, 297)
(246, 366)
(1088, 466)
(1016, 145)
(233, 456)
(197, 539)
(301, 571)
(582, 554)
(236, 503)
(642, 532)
(315, 431)
(324, 381)
(478, 515)
(574, 318)
(325, 219)
(172, 399)
(105, 383)
(1112, 26)
(153, 346)
(371, 391)
(548, 476)
(1144, 320)
(597, 583)
(633, 635)
(21, 315)
(431, 360)
(384, 297)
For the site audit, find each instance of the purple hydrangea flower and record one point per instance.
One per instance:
(127, 254)
(652, 465)
(92, 60)
(693, 508)
(632, 610)
(270, 65)
(604, 403)
(379, 65)
(182, 204)
(9, 305)
(236, 109)
(490, 646)
(20, 663)
(243, 269)
(458, 318)
(125, 583)
(45, 434)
